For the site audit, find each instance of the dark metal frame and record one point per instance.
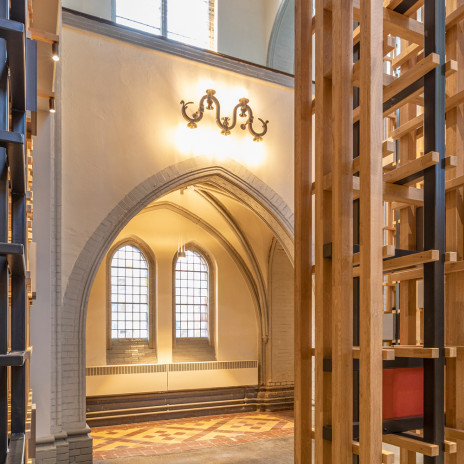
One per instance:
(18, 93)
(434, 229)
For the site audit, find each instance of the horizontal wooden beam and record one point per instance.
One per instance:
(387, 78)
(412, 351)
(454, 434)
(457, 266)
(451, 351)
(388, 354)
(44, 36)
(388, 251)
(388, 147)
(411, 444)
(391, 192)
(410, 52)
(418, 121)
(413, 74)
(387, 456)
(455, 17)
(454, 184)
(408, 127)
(394, 23)
(403, 194)
(450, 447)
(417, 273)
(412, 167)
(415, 259)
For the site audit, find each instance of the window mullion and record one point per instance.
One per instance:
(164, 18)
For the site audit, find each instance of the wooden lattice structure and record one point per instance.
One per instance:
(388, 191)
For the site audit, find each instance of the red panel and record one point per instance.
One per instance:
(403, 391)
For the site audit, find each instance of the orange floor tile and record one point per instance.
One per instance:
(173, 436)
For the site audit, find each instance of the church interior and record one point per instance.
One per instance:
(231, 231)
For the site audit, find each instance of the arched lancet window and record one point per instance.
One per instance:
(129, 294)
(192, 282)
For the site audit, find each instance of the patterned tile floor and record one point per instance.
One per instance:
(174, 436)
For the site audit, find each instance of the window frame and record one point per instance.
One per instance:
(152, 320)
(211, 298)
(164, 23)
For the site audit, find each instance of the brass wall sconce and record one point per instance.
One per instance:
(224, 123)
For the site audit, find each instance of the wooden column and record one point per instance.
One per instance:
(303, 231)
(371, 235)
(342, 231)
(323, 309)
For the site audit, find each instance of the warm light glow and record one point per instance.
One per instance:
(55, 58)
(208, 141)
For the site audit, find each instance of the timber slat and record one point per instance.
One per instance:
(411, 444)
(412, 167)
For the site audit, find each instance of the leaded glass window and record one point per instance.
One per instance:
(192, 296)
(129, 294)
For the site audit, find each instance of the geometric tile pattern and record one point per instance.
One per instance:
(174, 436)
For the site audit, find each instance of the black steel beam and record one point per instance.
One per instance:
(14, 358)
(397, 426)
(405, 5)
(14, 254)
(401, 96)
(4, 312)
(402, 425)
(434, 229)
(397, 363)
(31, 75)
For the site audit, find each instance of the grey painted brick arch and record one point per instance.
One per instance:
(230, 176)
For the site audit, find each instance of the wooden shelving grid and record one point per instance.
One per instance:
(387, 183)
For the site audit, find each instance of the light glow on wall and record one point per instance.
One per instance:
(208, 141)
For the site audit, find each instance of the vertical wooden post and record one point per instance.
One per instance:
(323, 309)
(303, 231)
(342, 231)
(371, 239)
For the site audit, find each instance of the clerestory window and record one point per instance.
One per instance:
(189, 21)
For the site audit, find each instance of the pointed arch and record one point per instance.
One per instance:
(231, 177)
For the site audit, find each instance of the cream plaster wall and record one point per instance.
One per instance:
(42, 336)
(235, 310)
(118, 124)
(243, 26)
(99, 8)
(169, 381)
(121, 123)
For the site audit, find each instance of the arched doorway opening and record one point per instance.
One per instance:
(222, 190)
